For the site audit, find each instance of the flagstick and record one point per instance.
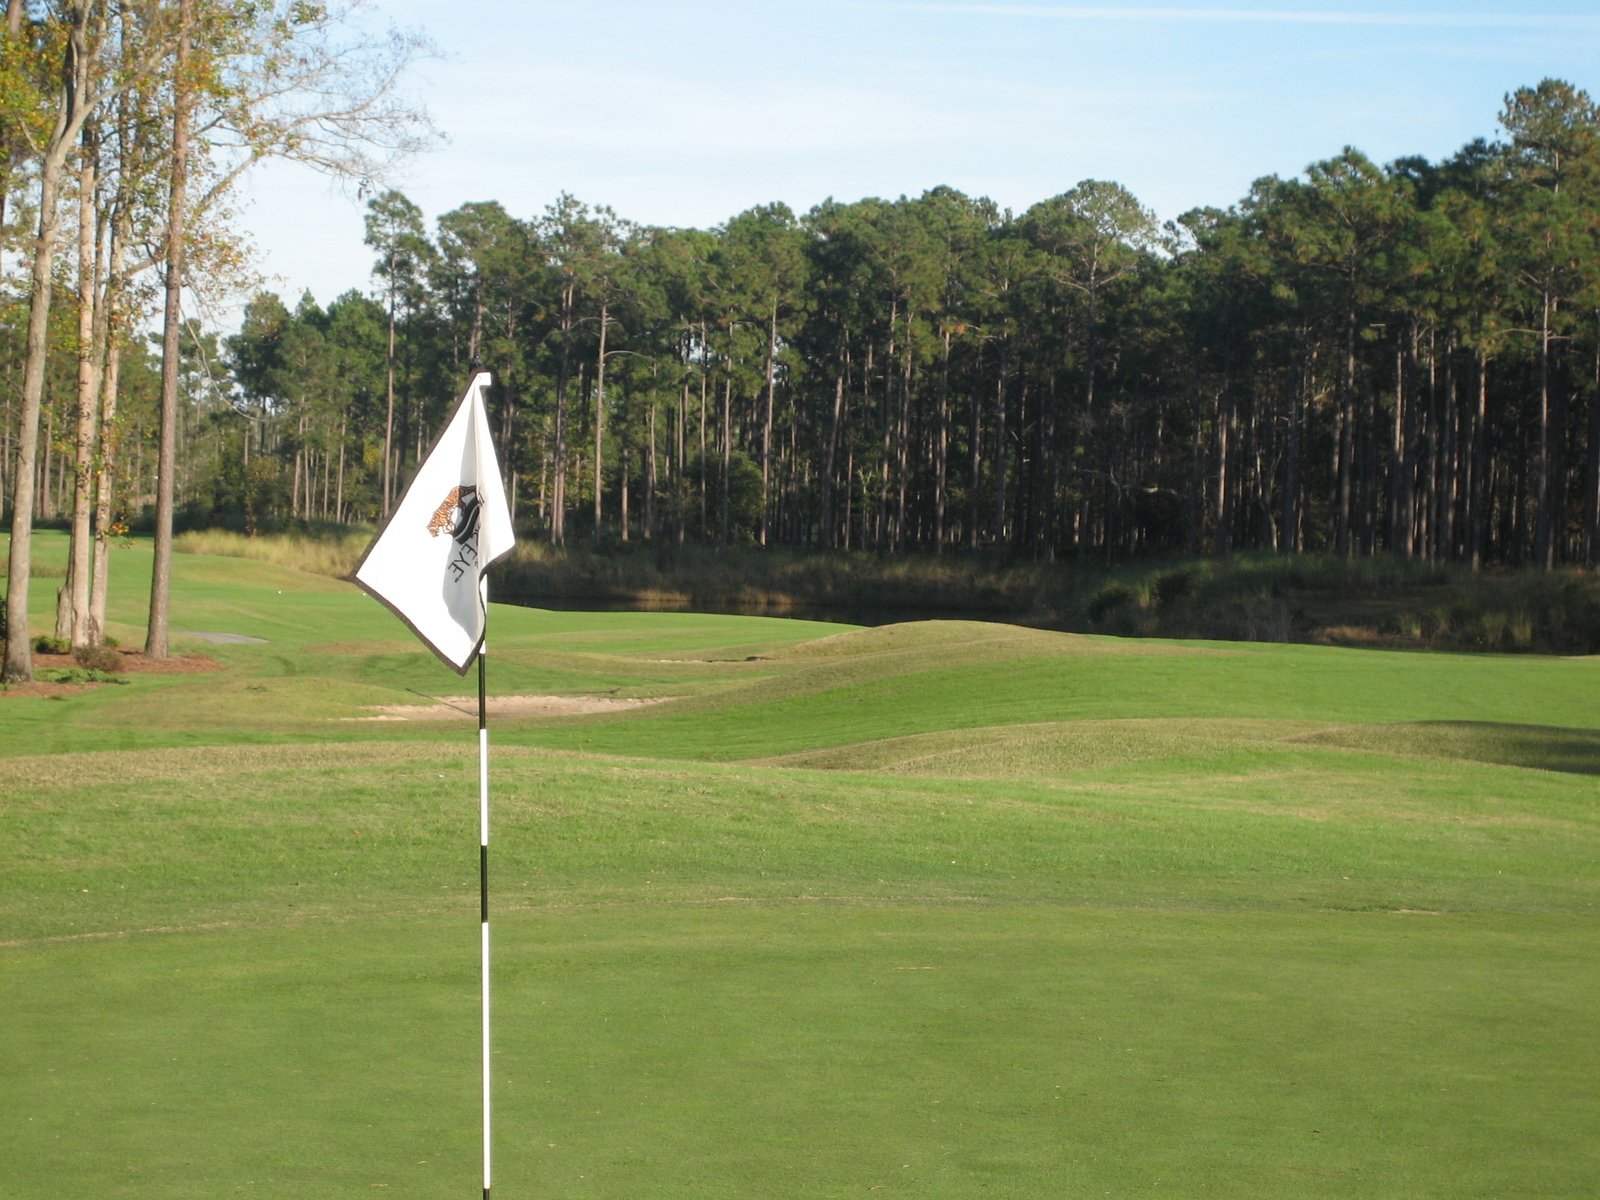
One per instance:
(457, 488)
(483, 868)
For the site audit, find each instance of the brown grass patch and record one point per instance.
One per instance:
(456, 708)
(134, 662)
(1363, 637)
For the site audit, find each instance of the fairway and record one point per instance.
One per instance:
(945, 909)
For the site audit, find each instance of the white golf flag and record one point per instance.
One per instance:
(427, 562)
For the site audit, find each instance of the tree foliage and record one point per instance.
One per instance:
(137, 118)
(1361, 359)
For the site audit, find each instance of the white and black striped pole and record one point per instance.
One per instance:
(483, 869)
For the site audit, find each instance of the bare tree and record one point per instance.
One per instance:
(83, 88)
(301, 83)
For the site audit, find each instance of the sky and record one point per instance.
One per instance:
(687, 112)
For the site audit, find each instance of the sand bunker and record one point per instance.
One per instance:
(458, 708)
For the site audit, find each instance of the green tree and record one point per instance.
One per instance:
(763, 268)
(394, 229)
(1553, 189)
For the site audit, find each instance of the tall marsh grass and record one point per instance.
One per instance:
(746, 579)
(1258, 597)
(332, 550)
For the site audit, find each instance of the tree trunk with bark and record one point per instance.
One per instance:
(1547, 488)
(155, 642)
(600, 418)
(830, 451)
(73, 622)
(558, 466)
(766, 420)
(109, 380)
(70, 117)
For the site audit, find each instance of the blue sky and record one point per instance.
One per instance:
(685, 112)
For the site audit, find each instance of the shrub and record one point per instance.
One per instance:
(1110, 599)
(76, 675)
(1169, 587)
(52, 645)
(1520, 630)
(1244, 619)
(98, 658)
(1493, 623)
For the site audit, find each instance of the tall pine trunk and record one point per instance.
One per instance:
(1478, 495)
(1546, 485)
(600, 419)
(1402, 523)
(725, 437)
(72, 610)
(975, 463)
(831, 450)
(1445, 536)
(1591, 507)
(1345, 443)
(558, 466)
(649, 514)
(155, 642)
(1001, 450)
(388, 391)
(766, 420)
(1223, 537)
(109, 380)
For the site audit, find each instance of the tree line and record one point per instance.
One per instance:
(1364, 359)
(124, 126)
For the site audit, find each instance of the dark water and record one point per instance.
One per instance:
(841, 614)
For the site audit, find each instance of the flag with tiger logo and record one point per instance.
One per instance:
(428, 560)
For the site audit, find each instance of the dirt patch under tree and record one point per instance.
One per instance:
(133, 662)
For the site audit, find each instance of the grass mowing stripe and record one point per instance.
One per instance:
(1080, 679)
(263, 835)
(818, 1051)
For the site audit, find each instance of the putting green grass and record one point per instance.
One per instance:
(934, 910)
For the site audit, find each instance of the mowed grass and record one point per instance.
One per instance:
(940, 910)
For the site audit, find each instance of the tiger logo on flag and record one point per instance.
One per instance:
(463, 503)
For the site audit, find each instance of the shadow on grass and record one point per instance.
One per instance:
(1543, 747)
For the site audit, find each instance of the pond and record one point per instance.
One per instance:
(842, 614)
